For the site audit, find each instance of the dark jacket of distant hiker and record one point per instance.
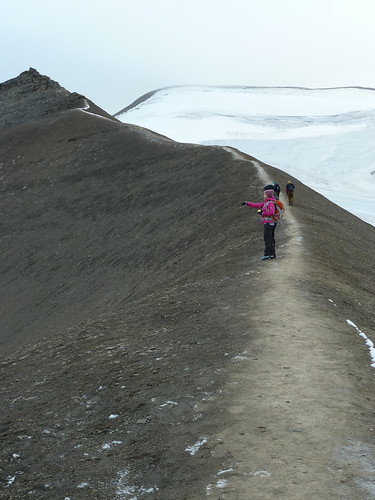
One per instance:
(290, 192)
(277, 189)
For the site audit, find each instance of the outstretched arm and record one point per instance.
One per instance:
(253, 205)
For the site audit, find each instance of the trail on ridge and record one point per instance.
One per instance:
(294, 396)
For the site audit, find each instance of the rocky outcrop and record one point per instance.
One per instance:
(31, 96)
(31, 80)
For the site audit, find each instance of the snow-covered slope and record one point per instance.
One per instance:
(323, 137)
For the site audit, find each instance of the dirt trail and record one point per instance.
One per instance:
(300, 426)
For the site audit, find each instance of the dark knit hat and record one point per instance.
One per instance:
(269, 186)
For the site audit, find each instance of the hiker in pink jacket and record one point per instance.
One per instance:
(267, 210)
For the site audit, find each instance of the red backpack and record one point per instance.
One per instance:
(279, 211)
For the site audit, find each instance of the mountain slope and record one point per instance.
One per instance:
(96, 212)
(323, 137)
(135, 310)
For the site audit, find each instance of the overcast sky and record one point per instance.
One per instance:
(114, 51)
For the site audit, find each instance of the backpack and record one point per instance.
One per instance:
(279, 211)
(290, 186)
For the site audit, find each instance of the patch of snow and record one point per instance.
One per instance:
(262, 473)
(107, 446)
(222, 483)
(195, 447)
(369, 342)
(224, 472)
(82, 485)
(10, 480)
(240, 357)
(130, 491)
(169, 404)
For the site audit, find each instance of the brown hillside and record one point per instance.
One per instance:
(131, 284)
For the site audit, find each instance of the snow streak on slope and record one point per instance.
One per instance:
(323, 137)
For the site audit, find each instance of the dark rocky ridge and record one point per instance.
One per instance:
(122, 269)
(94, 211)
(32, 96)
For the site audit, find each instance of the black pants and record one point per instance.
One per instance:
(269, 240)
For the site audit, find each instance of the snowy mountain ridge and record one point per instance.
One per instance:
(323, 137)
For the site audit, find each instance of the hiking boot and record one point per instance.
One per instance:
(266, 257)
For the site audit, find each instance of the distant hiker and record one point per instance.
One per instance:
(277, 189)
(290, 192)
(267, 210)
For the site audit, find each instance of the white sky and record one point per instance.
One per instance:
(114, 51)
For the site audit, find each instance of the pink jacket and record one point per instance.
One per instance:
(268, 209)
